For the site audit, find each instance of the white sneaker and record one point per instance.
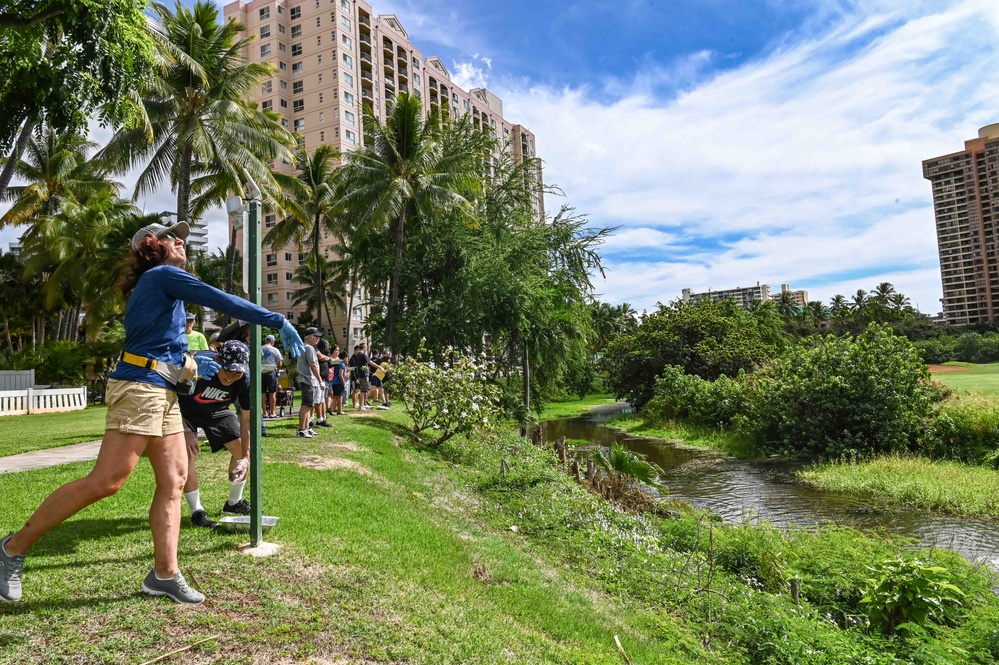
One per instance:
(305, 434)
(311, 432)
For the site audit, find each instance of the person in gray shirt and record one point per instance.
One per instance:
(310, 382)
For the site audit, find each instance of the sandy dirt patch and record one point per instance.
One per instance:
(944, 369)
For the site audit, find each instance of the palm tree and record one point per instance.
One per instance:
(413, 170)
(899, 303)
(859, 301)
(884, 291)
(56, 166)
(623, 468)
(308, 198)
(815, 312)
(198, 113)
(332, 291)
(839, 306)
(786, 306)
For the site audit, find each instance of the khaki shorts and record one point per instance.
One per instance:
(142, 408)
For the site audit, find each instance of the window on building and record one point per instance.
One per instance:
(280, 10)
(416, 63)
(296, 13)
(348, 61)
(265, 13)
(270, 220)
(290, 316)
(350, 136)
(282, 47)
(296, 31)
(281, 28)
(298, 87)
(345, 22)
(272, 298)
(267, 104)
(301, 257)
(345, 5)
(300, 124)
(346, 41)
(283, 66)
(284, 85)
(289, 276)
(356, 313)
(271, 260)
(272, 278)
(416, 79)
(284, 103)
(296, 68)
(348, 117)
(298, 105)
(296, 50)
(288, 295)
(265, 31)
(358, 334)
(267, 87)
(284, 123)
(287, 256)
(265, 50)
(348, 98)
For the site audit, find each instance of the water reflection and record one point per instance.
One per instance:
(737, 490)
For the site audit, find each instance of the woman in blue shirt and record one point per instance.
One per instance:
(143, 416)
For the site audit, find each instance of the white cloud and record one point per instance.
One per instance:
(810, 154)
(472, 74)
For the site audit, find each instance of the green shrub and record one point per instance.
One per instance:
(904, 596)
(708, 340)
(842, 397)
(709, 403)
(754, 552)
(936, 351)
(966, 430)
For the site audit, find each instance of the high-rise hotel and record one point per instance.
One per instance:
(965, 184)
(330, 57)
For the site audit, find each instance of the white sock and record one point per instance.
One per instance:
(194, 500)
(236, 492)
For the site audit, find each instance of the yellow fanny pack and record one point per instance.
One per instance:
(183, 377)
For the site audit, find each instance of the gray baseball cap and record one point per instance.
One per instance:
(179, 230)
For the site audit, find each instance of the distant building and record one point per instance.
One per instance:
(15, 248)
(964, 184)
(745, 296)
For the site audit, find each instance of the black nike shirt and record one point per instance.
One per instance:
(210, 397)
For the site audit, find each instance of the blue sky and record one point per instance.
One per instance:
(732, 141)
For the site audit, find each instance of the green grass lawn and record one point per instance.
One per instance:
(575, 406)
(21, 434)
(981, 379)
(382, 560)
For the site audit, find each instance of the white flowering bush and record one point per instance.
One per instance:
(445, 401)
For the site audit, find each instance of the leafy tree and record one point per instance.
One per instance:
(206, 134)
(624, 468)
(842, 397)
(332, 291)
(708, 339)
(65, 58)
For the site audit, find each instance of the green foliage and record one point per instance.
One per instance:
(906, 595)
(625, 471)
(702, 402)
(754, 552)
(446, 401)
(842, 397)
(706, 339)
(65, 58)
(966, 429)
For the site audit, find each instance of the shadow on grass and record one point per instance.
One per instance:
(395, 428)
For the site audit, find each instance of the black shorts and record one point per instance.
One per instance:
(220, 428)
(337, 389)
(311, 395)
(268, 382)
(375, 382)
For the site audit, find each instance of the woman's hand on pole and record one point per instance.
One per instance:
(291, 340)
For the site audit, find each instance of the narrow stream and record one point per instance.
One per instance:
(738, 490)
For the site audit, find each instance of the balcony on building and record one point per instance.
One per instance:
(366, 56)
(366, 74)
(364, 19)
(365, 39)
(389, 66)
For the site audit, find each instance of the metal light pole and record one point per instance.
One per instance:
(251, 284)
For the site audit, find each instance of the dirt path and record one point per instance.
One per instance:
(943, 369)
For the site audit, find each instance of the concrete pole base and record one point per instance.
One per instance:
(261, 550)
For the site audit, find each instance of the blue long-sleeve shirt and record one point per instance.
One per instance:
(155, 319)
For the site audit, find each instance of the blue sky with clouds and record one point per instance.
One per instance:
(732, 141)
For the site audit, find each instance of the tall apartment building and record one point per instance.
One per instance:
(964, 186)
(331, 57)
(745, 296)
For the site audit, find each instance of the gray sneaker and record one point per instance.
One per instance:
(175, 588)
(11, 566)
